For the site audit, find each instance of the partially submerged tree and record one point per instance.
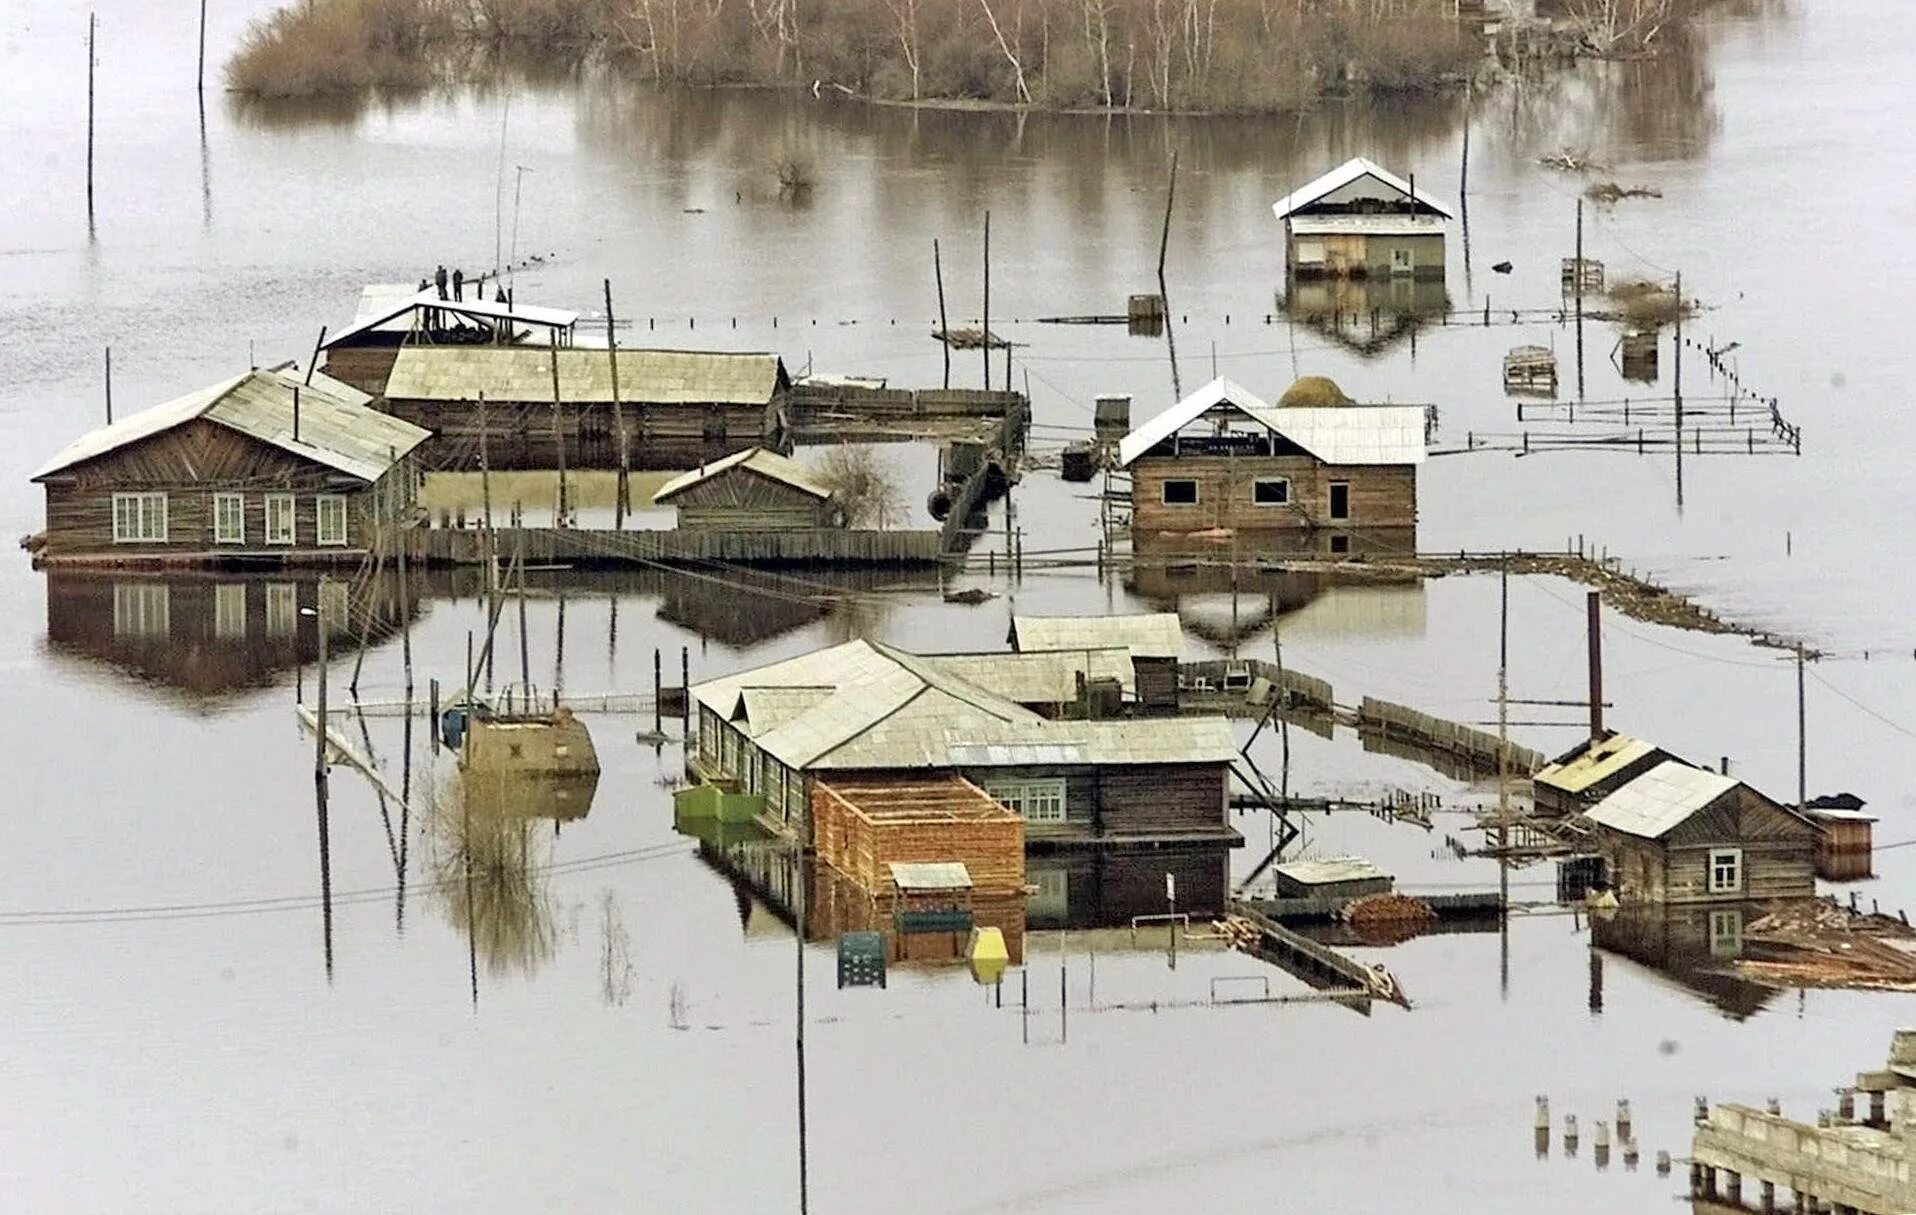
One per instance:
(865, 487)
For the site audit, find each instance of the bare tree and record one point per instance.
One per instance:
(1017, 68)
(866, 489)
(904, 15)
(1621, 27)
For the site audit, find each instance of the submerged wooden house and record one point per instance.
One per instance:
(392, 316)
(754, 490)
(1360, 220)
(262, 468)
(1313, 473)
(678, 408)
(868, 710)
(1678, 834)
(1153, 642)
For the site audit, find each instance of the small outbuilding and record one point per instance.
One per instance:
(1591, 771)
(1337, 877)
(754, 490)
(1844, 847)
(265, 467)
(1360, 220)
(1155, 642)
(1678, 834)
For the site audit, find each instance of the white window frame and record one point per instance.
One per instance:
(139, 518)
(1164, 491)
(142, 609)
(1034, 801)
(322, 504)
(282, 609)
(1734, 859)
(276, 503)
(222, 503)
(1285, 490)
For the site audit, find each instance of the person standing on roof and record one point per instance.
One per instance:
(439, 277)
(458, 284)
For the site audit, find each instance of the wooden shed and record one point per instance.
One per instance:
(265, 467)
(1678, 834)
(1224, 464)
(1337, 877)
(864, 824)
(1591, 771)
(1844, 848)
(679, 408)
(1154, 640)
(754, 490)
(1360, 220)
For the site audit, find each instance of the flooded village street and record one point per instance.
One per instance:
(566, 1001)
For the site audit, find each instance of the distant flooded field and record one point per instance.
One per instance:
(573, 1004)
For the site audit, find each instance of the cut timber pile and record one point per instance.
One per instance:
(969, 339)
(1818, 944)
(1386, 909)
(861, 826)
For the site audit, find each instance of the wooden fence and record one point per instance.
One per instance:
(1408, 724)
(595, 546)
(1238, 676)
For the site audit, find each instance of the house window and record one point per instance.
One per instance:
(329, 512)
(1340, 543)
(229, 519)
(1052, 899)
(279, 518)
(142, 609)
(1271, 491)
(1726, 870)
(229, 610)
(1340, 499)
(1035, 801)
(139, 518)
(282, 609)
(1400, 262)
(1726, 933)
(1181, 492)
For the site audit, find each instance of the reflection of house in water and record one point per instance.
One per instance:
(211, 634)
(1694, 947)
(1082, 888)
(1369, 315)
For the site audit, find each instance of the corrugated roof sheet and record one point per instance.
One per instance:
(1331, 869)
(1593, 764)
(335, 431)
(755, 459)
(1036, 678)
(929, 875)
(524, 373)
(381, 306)
(1341, 434)
(1343, 175)
(889, 709)
(1661, 798)
(1147, 635)
(766, 709)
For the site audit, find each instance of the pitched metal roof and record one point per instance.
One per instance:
(1328, 870)
(1340, 434)
(1345, 174)
(929, 875)
(334, 430)
(1040, 678)
(1654, 803)
(382, 304)
(1592, 764)
(754, 459)
(524, 373)
(1147, 635)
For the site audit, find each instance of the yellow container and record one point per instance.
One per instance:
(987, 954)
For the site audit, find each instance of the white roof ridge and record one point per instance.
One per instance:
(1343, 175)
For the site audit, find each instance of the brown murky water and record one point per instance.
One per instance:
(174, 1039)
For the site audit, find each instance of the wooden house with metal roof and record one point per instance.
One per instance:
(677, 408)
(1361, 220)
(1678, 834)
(754, 490)
(1154, 642)
(1314, 473)
(395, 315)
(869, 709)
(1591, 771)
(262, 468)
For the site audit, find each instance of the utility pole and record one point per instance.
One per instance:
(1579, 288)
(320, 790)
(92, 23)
(623, 491)
(1593, 611)
(109, 385)
(200, 80)
(1802, 736)
(986, 342)
(1503, 705)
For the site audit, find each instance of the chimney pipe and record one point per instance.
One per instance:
(1593, 603)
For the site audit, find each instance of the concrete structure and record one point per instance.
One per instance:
(1678, 834)
(1360, 220)
(1855, 1159)
(1314, 473)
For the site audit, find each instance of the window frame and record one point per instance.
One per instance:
(142, 504)
(1284, 484)
(227, 626)
(142, 610)
(1330, 501)
(321, 504)
(1164, 491)
(290, 504)
(1715, 884)
(238, 503)
(1019, 796)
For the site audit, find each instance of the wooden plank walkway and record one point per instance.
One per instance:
(1313, 962)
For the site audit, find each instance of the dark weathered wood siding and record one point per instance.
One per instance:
(364, 367)
(190, 464)
(1778, 854)
(1380, 495)
(1157, 682)
(528, 434)
(1105, 888)
(742, 500)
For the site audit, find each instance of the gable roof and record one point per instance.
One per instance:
(1656, 802)
(1337, 434)
(335, 429)
(1146, 635)
(1591, 764)
(753, 459)
(1343, 175)
(524, 373)
(382, 304)
(1040, 678)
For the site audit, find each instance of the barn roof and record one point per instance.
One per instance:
(524, 373)
(1343, 175)
(382, 305)
(335, 429)
(1149, 635)
(1337, 434)
(1656, 802)
(870, 706)
(1592, 764)
(752, 459)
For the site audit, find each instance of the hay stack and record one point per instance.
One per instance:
(1313, 392)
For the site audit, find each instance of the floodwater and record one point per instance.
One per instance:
(618, 1031)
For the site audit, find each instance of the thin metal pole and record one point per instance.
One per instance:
(1802, 736)
(944, 325)
(1503, 706)
(109, 385)
(200, 80)
(558, 435)
(985, 344)
(320, 790)
(623, 491)
(525, 664)
(1579, 288)
(798, 937)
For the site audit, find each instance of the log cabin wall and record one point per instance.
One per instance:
(190, 464)
(740, 500)
(1379, 495)
(1776, 849)
(1162, 799)
(528, 435)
